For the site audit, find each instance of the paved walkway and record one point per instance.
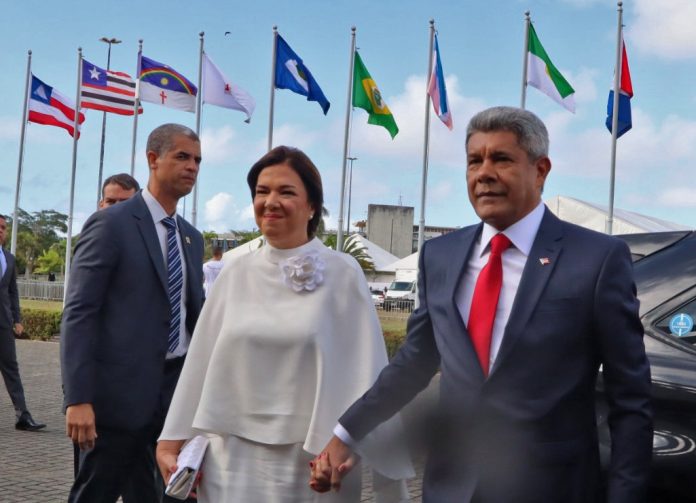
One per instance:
(37, 466)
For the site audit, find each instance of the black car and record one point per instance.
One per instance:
(665, 274)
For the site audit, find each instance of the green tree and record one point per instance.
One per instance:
(36, 233)
(208, 236)
(49, 261)
(353, 247)
(246, 236)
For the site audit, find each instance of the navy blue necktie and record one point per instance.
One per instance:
(175, 281)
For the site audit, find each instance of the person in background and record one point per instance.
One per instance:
(287, 339)
(118, 188)
(211, 270)
(11, 324)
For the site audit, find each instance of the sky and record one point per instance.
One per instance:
(481, 44)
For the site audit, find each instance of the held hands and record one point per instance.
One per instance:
(328, 468)
(80, 425)
(18, 329)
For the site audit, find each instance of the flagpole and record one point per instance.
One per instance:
(20, 164)
(136, 107)
(344, 161)
(76, 134)
(615, 118)
(103, 131)
(426, 138)
(527, 21)
(273, 76)
(199, 104)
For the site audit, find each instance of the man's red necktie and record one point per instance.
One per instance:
(485, 301)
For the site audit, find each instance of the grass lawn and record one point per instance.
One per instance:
(45, 305)
(392, 324)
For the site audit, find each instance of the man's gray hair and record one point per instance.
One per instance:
(161, 139)
(529, 129)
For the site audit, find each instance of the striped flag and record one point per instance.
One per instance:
(49, 107)
(438, 91)
(107, 90)
(162, 84)
(625, 121)
(542, 74)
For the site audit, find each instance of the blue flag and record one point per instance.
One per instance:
(624, 122)
(292, 74)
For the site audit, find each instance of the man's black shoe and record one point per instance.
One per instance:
(27, 423)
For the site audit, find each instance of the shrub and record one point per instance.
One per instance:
(40, 324)
(393, 340)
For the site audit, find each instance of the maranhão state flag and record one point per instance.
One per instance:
(162, 84)
(219, 90)
(438, 91)
(107, 90)
(624, 122)
(49, 107)
(542, 74)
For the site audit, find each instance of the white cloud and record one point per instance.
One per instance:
(446, 147)
(584, 84)
(9, 129)
(217, 145)
(664, 28)
(680, 197)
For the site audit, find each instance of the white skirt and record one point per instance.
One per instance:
(238, 470)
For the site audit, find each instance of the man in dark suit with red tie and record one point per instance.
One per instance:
(518, 312)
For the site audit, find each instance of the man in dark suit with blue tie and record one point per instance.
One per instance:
(11, 324)
(518, 313)
(133, 298)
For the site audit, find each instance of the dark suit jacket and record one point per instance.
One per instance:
(528, 432)
(9, 297)
(116, 316)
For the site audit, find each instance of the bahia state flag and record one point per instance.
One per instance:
(162, 84)
(107, 90)
(49, 107)
(624, 122)
(292, 74)
(438, 91)
(542, 74)
(366, 95)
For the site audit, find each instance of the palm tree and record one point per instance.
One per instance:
(353, 247)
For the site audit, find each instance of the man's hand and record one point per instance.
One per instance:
(329, 467)
(18, 328)
(167, 454)
(80, 425)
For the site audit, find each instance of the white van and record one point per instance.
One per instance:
(401, 296)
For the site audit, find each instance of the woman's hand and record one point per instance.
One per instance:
(167, 454)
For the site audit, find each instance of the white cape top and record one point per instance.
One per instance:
(279, 366)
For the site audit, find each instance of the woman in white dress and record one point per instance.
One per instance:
(287, 341)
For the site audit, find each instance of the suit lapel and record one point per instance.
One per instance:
(148, 232)
(186, 247)
(458, 262)
(540, 265)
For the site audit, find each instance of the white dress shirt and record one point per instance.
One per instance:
(522, 234)
(3, 262)
(158, 214)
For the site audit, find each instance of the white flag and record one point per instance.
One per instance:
(219, 90)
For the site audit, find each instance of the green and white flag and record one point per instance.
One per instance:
(542, 74)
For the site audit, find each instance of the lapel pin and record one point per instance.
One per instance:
(188, 241)
(544, 261)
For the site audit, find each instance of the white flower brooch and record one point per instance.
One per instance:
(303, 272)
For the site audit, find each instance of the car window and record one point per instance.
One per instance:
(680, 323)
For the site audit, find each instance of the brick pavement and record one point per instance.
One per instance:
(37, 466)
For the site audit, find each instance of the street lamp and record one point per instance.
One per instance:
(109, 41)
(350, 188)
